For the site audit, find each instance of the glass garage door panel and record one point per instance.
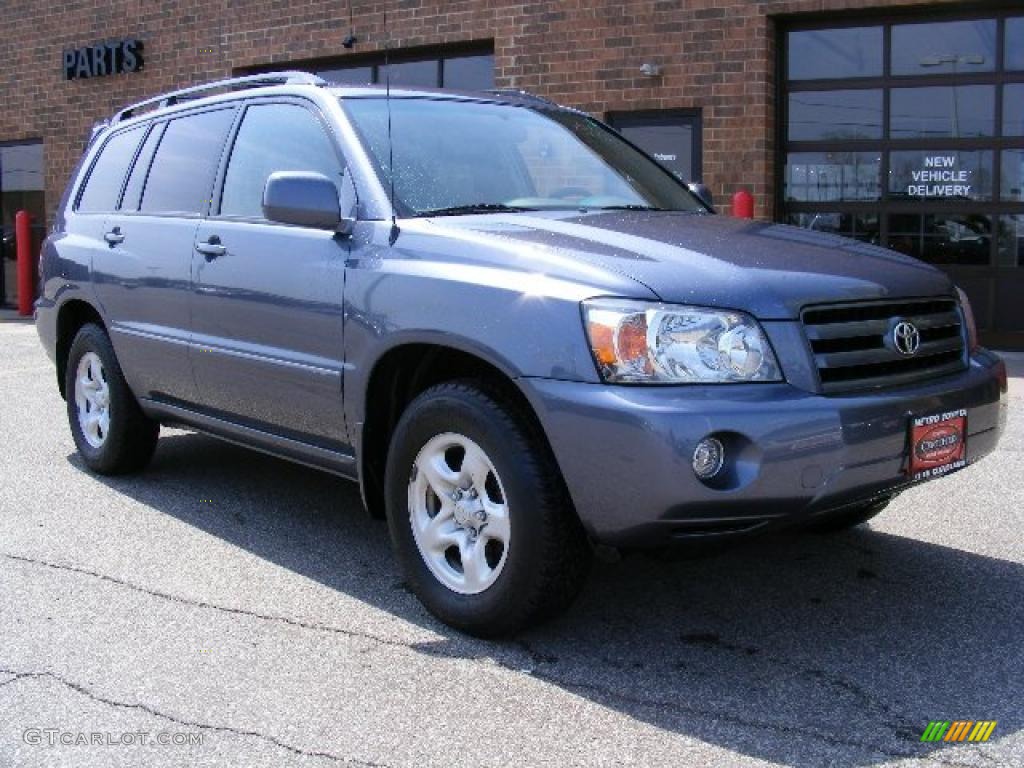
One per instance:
(831, 176)
(835, 115)
(835, 53)
(945, 175)
(950, 47)
(940, 112)
(942, 238)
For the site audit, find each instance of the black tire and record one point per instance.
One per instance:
(847, 518)
(548, 557)
(128, 444)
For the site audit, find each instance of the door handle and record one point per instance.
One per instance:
(211, 248)
(113, 237)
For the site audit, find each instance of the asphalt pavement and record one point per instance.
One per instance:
(248, 612)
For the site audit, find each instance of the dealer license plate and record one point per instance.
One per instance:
(938, 444)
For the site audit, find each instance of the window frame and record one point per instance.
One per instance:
(889, 205)
(217, 196)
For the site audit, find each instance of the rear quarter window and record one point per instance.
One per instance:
(103, 185)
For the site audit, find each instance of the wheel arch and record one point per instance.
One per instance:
(72, 315)
(404, 371)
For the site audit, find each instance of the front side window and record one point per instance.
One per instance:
(103, 186)
(274, 137)
(452, 154)
(181, 177)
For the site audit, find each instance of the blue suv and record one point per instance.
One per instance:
(516, 331)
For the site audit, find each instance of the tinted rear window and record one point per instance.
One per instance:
(137, 177)
(181, 177)
(104, 184)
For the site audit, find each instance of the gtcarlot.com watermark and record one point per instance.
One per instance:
(58, 737)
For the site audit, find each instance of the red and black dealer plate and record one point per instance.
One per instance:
(938, 444)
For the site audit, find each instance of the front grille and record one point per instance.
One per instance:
(853, 346)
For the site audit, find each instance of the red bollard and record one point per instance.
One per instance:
(743, 204)
(23, 238)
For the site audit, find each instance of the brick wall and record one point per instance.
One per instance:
(717, 55)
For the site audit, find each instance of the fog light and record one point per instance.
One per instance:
(708, 458)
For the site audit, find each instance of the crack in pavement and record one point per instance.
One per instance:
(138, 706)
(449, 650)
(212, 606)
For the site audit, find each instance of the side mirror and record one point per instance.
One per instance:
(702, 192)
(309, 200)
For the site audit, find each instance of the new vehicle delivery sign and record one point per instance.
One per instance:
(940, 176)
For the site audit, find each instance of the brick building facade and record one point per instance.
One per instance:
(717, 60)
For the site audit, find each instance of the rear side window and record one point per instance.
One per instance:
(274, 137)
(103, 186)
(137, 178)
(181, 177)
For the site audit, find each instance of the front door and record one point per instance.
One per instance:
(267, 299)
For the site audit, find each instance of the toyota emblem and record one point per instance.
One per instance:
(906, 338)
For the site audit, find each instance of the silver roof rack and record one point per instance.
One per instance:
(231, 84)
(524, 95)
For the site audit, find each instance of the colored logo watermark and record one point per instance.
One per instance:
(959, 730)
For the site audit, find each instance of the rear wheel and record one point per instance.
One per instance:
(112, 434)
(478, 514)
(848, 518)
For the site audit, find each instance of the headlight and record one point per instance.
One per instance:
(644, 342)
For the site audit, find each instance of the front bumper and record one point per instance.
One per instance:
(625, 452)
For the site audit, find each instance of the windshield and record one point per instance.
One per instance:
(454, 157)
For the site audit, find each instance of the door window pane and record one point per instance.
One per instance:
(181, 178)
(953, 47)
(137, 177)
(274, 137)
(469, 73)
(941, 175)
(862, 226)
(942, 112)
(1014, 55)
(835, 115)
(1012, 179)
(942, 238)
(1011, 241)
(103, 187)
(821, 53)
(1013, 108)
(827, 176)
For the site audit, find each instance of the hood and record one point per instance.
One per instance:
(769, 270)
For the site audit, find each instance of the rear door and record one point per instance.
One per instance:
(144, 276)
(267, 301)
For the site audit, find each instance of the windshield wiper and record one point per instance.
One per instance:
(628, 207)
(462, 210)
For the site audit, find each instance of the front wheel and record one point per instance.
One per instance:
(478, 514)
(111, 433)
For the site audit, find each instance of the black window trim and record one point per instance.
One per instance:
(213, 211)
